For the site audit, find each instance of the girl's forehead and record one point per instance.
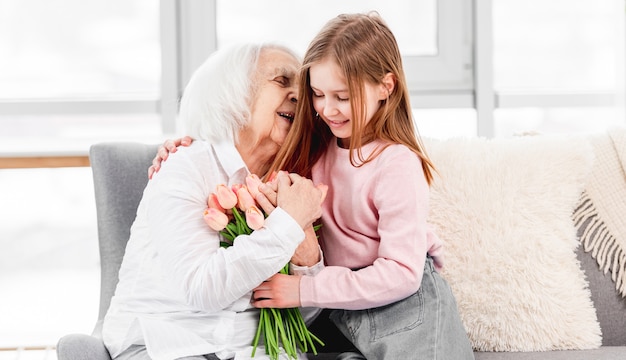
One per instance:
(326, 73)
(327, 79)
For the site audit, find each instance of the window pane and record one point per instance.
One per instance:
(414, 23)
(560, 45)
(446, 123)
(74, 133)
(509, 122)
(67, 49)
(49, 263)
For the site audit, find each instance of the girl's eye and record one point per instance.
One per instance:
(342, 99)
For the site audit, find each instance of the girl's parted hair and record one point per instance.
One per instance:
(365, 50)
(216, 102)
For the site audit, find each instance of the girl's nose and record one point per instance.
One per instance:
(330, 108)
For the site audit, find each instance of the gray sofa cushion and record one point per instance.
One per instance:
(604, 353)
(81, 347)
(117, 198)
(610, 306)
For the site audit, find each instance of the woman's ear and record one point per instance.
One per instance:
(388, 85)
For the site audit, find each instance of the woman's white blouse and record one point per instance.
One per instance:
(179, 293)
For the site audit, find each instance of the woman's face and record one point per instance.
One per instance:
(331, 99)
(275, 98)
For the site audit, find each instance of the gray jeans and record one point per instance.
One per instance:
(139, 352)
(425, 325)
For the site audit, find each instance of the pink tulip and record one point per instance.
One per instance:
(245, 199)
(253, 182)
(226, 197)
(214, 203)
(254, 218)
(216, 219)
(236, 187)
(273, 179)
(272, 176)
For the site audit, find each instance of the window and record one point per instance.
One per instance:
(435, 37)
(236, 20)
(75, 72)
(79, 50)
(558, 65)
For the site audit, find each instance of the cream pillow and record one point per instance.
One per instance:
(503, 208)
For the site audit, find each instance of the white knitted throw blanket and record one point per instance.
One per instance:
(601, 214)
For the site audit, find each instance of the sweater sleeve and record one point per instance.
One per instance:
(399, 194)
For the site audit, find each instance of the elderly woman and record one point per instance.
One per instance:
(179, 294)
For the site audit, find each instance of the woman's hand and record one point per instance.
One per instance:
(279, 291)
(308, 252)
(268, 197)
(297, 196)
(169, 146)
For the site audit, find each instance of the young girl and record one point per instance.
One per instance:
(354, 132)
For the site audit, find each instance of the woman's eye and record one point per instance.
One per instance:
(317, 95)
(283, 80)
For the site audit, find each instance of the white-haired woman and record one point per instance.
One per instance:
(179, 294)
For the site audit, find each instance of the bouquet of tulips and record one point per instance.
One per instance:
(279, 327)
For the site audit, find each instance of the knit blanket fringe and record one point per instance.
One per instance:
(597, 239)
(599, 215)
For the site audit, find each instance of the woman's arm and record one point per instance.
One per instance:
(208, 276)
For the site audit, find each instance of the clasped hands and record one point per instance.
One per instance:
(294, 194)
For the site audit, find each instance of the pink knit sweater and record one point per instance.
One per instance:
(374, 235)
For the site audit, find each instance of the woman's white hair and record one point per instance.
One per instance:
(216, 102)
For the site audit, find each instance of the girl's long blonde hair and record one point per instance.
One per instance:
(365, 50)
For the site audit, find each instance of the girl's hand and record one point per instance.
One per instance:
(279, 291)
(169, 146)
(308, 252)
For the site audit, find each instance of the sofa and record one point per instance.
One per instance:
(500, 258)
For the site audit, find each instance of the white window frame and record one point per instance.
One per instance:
(188, 36)
(458, 76)
(441, 80)
(487, 99)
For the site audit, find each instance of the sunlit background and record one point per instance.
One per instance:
(73, 73)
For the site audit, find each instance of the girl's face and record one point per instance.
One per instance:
(331, 99)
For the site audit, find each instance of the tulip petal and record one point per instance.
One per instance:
(245, 199)
(213, 203)
(226, 197)
(216, 219)
(272, 176)
(253, 182)
(254, 218)
(236, 187)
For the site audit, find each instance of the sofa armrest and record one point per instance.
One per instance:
(81, 347)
